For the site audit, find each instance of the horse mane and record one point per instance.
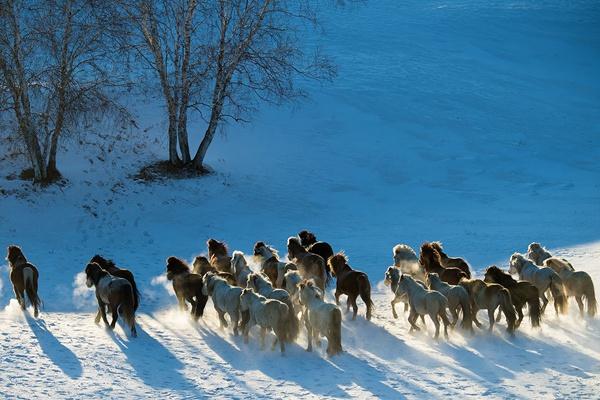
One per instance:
(502, 277)
(294, 243)
(438, 247)
(559, 261)
(176, 265)
(403, 248)
(272, 249)
(103, 262)
(15, 255)
(216, 247)
(339, 260)
(428, 248)
(307, 237)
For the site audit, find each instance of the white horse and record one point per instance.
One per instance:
(542, 278)
(392, 279)
(458, 299)
(266, 313)
(226, 299)
(261, 285)
(321, 318)
(424, 302)
(291, 280)
(537, 254)
(240, 268)
(406, 259)
(577, 284)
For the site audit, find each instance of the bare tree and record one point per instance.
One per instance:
(219, 58)
(257, 54)
(54, 65)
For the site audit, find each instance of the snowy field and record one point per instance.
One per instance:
(476, 123)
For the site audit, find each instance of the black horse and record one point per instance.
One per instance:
(111, 268)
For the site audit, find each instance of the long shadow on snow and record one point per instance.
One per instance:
(153, 363)
(58, 353)
(326, 376)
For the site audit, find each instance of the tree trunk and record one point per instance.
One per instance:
(215, 116)
(173, 156)
(182, 134)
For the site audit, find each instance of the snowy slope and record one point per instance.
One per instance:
(472, 122)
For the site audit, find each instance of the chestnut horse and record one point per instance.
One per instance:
(450, 262)
(431, 261)
(218, 255)
(350, 282)
(310, 265)
(111, 268)
(24, 278)
(311, 244)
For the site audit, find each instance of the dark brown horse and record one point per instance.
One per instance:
(187, 286)
(112, 292)
(218, 255)
(450, 262)
(310, 265)
(521, 293)
(350, 282)
(310, 243)
(431, 261)
(111, 268)
(24, 278)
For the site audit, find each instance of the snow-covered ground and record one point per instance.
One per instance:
(474, 122)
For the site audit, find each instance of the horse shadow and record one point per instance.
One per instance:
(58, 353)
(152, 362)
(315, 372)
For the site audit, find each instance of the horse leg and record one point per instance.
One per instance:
(98, 315)
(491, 318)
(475, 320)
(222, 319)
(101, 311)
(308, 334)
(181, 301)
(519, 310)
(263, 332)
(499, 316)
(436, 322)
(405, 308)
(193, 303)
(354, 307)
(580, 304)
(115, 314)
(394, 313)
(234, 321)
(20, 297)
(337, 297)
(544, 302)
(412, 317)
(454, 314)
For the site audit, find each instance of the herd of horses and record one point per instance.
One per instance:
(284, 296)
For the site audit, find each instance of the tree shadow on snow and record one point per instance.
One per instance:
(58, 353)
(153, 363)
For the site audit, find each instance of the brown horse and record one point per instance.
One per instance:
(309, 241)
(490, 296)
(521, 293)
(350, 282)
(201, 266)
(187, 286)
(24, 278)
(111, 268)
(431, 261)
(449, 262)
(113, 292)
(218, 255)
(310, 265)
(270, 265)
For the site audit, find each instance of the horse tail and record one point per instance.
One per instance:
(558, 292)
(335, 331)
(136, 294)
(30, 277)
(292, 323)
(465, 304)
(442, 313)
(590, 296)
(127, 309)
(535, 309)
(508, 308)
(364, 289)
(201, 300)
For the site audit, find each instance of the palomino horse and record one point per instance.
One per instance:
(489, 297)
(187, 286)
(266, 313)
(113, 292)
(406, 259)
(577, 284)
(350, 282)
(218, 255)
(24, 278)
(458, 299)
(537, 254)
(521, 293)
(310, 265)
(111, 268)
(270, 265)
(449, 262)
(424, 302)
(321, 318)
(431, 261)
(543, 279)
